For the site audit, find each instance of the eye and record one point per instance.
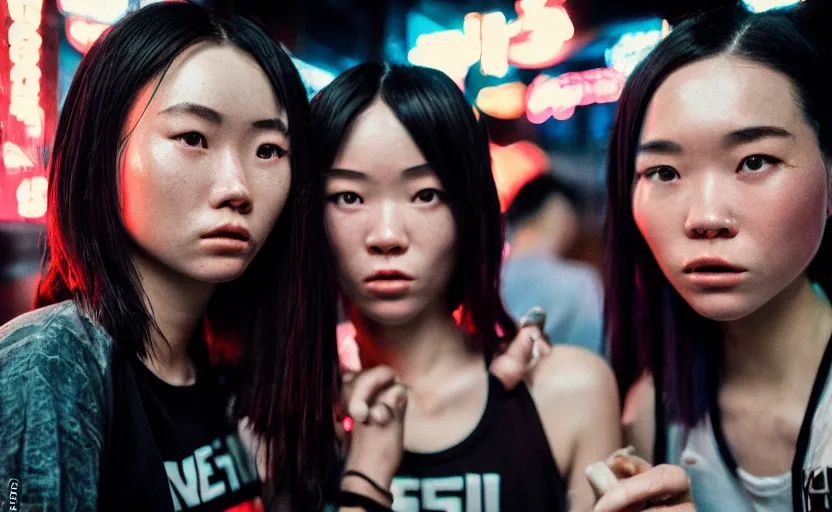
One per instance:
(269, 151)
(345, 199)
(192, 139)
(757, 163)
(661, 173)
(428, 195)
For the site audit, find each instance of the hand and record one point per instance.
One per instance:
(376, 401)
(516, 361)
(626, 483)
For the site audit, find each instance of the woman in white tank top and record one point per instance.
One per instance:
(718, 200)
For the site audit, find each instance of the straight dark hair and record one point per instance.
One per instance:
(648, 324)
(278, 317)
(455, 143)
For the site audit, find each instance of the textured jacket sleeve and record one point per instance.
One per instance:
(52, 399)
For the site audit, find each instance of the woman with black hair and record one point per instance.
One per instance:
(413, 217)
(718, 203)
(180, 228)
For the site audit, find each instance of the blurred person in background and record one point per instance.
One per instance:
(543, 224)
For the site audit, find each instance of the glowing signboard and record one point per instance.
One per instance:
(24, 54)
(765, 5)
(532, 41)
(557, 97)
(82, 33)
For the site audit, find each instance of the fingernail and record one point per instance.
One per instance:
(534, 316)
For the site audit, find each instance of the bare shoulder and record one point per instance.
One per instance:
(577, 400)
(574, 374)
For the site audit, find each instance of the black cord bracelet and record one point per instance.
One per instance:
(352, 499)
(387, 494)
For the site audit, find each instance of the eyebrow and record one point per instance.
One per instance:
(733, 139)
(754, 133)
(416, 171)
(660, 147)
(214, 117)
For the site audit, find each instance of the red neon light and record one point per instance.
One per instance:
(514, 165)
(557, 97)
(82, 33)
(544, 28)
(31, 197)
(24, 53)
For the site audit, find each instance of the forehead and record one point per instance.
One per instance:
(220, 77)
(378, 142)
(712, 96)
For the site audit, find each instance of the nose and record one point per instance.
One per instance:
(230, 187)
(387, 234)
(710, 214)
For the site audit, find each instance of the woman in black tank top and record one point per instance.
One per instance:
(414, 220)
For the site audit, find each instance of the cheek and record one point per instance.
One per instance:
(653, 220)
(154, 187)
(796, 212)
(345, 239)
(439, 234)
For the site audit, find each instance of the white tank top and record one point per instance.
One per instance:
(719, 485)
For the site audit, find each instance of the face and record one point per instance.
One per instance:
(205, 172)
(389, 224)
(732, 190)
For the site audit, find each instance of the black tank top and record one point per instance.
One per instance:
(504, 465)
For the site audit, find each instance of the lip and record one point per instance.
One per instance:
(713, 272)
(388, 275)
(231, 231)
(388, 283)
(229, 238)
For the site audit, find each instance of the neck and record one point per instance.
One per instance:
(177, 304)
(781, 341)
(425, 348)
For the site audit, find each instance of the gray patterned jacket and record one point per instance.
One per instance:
(54, 387)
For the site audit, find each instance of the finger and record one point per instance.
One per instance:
(390, 404)
(534, 316)
(363, 390)
(624, 463)
(510, 367)
(600, 477)
(662, 483)
(381, 413)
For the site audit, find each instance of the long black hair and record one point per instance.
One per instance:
(455, 143)
(280, 310)
(649, 326)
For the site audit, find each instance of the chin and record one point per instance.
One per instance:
(722, 307)
(219, 272)
(390, 312)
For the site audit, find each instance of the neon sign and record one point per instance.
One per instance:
(15, 158)
(31, 197)
(557, 97)
(765, 5)
(82, 33)
(631, 49)
(105, 11)
(532, 41)
(24, 53)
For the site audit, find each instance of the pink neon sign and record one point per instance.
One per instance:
(557, 97)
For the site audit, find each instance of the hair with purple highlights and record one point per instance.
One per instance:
(649, 326)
